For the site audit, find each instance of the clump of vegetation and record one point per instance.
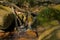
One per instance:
(48, 15)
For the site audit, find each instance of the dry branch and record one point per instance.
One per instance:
(47, 32)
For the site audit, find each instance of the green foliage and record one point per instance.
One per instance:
(21, 2)
(32, 3)
(44, 15)
(13, 1)
(48, 15)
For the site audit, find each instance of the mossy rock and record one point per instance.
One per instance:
(54, 22)
(46, 25)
